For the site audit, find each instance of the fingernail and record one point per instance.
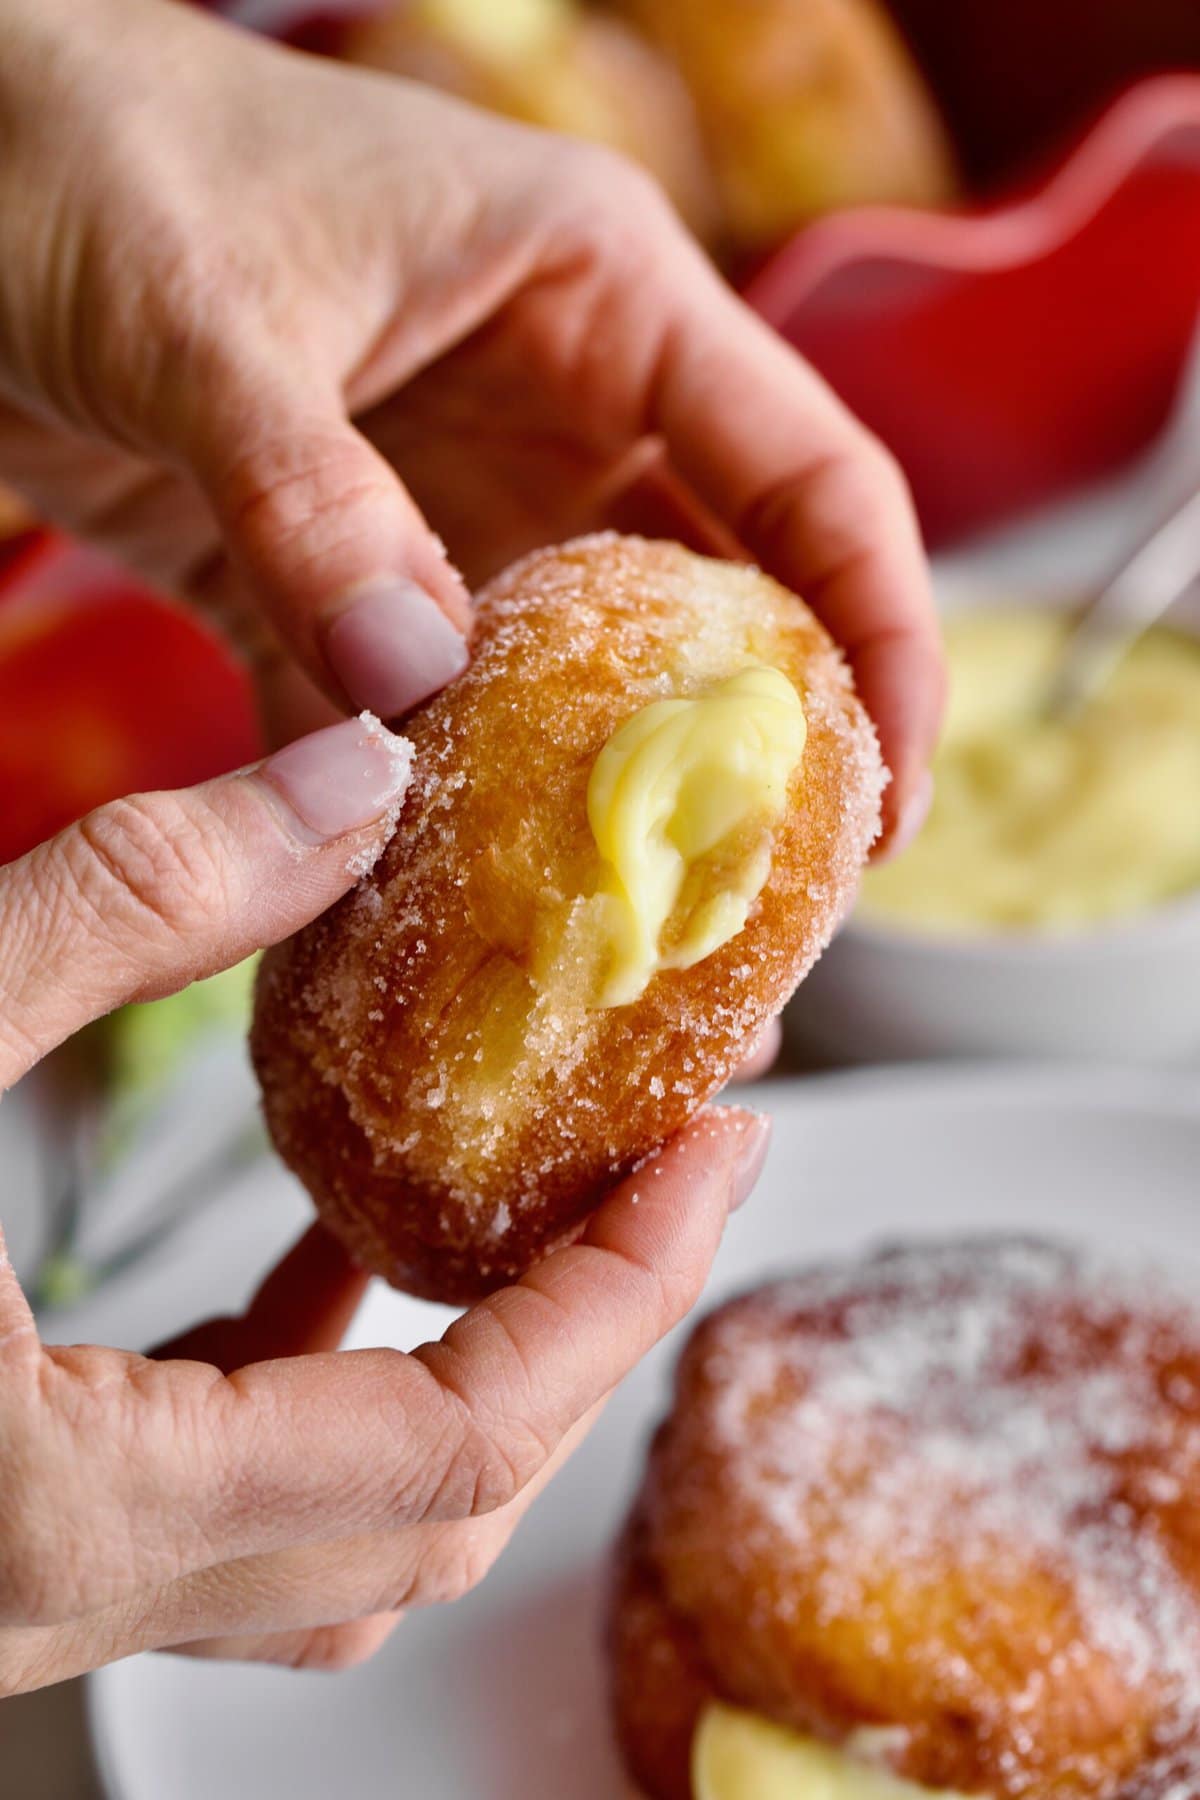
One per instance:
(339, 779)
(752, 1154)
(912, 816)
(393, 647)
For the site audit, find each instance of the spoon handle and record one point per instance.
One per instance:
(1160, 572)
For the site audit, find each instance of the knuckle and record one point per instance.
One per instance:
(488, 1454)
(465, 1467)
(671, 1293)
(616, 192)
(197, 289)
(169, 313)
(452, 1561)
(450, 1573)
(477, 1476)
(281, 489)
(674, 1295)
(468, 1564)
(587, 167)
(148, 861)
(854, 491)
(882, 469)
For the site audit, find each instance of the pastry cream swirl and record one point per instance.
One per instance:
(737, 1755)
(681, 802)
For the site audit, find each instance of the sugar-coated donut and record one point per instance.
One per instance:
(461, 1057)
(939, 1510)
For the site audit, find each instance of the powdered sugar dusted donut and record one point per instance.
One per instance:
(940, 1510)
(633, 825)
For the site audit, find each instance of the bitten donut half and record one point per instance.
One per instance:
(634, 823)
(918, 1526)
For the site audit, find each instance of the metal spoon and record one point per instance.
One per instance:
(1158, 574)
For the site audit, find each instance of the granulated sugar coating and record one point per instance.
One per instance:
(433, 1061)
(949, 1496)
(400, 754)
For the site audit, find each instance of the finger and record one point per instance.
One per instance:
(143, 896)
(322, 1606)
(374, 1579)
(318, 1448)
(763, 1055)
(520, 1369)
(303, 1306)
(332, 544)
(530, 1360)
(817, 501)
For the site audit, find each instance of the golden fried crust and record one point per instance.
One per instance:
(659, 1685)
(949, 1492)
(454, 1118)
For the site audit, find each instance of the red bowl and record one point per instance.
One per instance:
(1007, 355)
(105, 689)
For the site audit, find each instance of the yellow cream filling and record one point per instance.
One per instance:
(681, 802)
(737, 1755)
(1046, 823)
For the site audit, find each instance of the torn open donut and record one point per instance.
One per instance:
(633, 825)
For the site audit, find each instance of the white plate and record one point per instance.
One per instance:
(502, 1696)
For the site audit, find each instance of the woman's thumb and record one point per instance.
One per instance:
(148, 894)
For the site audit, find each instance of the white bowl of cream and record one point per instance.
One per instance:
(1051, 907)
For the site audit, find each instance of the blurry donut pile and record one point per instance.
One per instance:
(755, 115)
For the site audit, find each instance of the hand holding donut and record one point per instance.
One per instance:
(294, 320)
(247, 1492)
(266, 328)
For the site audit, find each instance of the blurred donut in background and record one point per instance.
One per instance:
(921, 1525)
(551, 63)
(755, 115)
(805, 105)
